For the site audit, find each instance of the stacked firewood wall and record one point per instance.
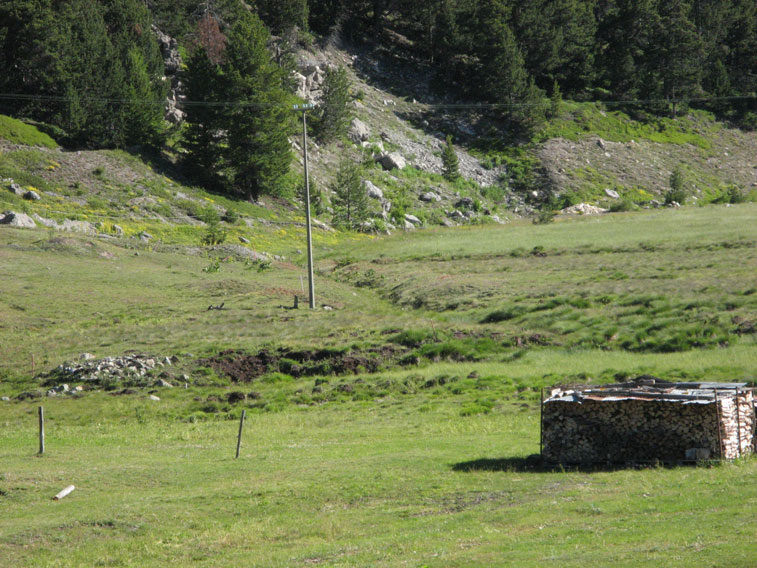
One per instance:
(596, 431)
(737, 424)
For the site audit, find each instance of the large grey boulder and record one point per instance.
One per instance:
(32, 195)
(391, 161)
(413, 219)
(13, 219)
(372, 190)
(358, 132)
(429, 197)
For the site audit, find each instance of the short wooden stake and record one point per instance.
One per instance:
(63, 493)
(41, 430)
(239, 437)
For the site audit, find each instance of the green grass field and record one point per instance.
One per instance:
(421, 460)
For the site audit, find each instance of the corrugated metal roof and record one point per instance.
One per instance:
(647, 390)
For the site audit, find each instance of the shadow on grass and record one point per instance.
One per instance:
(534, 464)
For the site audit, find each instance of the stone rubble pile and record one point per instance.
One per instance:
(130, 368)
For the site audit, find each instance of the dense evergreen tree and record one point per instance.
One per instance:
(450, 162)
(678, 52)
(99, 58)
(239, 117)
(282, 15)
(350, 199)
(204, 120)
(334, 114)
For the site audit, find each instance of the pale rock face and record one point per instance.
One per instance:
(372, 190)
(391, 161)
(20, 220)
(413, 219)
(358, 132)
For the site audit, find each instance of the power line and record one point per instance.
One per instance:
(419, 105)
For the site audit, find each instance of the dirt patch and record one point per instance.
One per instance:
(242, 367)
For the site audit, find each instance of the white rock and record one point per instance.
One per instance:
(429, 196)
(13, 219)
(373, 190)
(612, 193)
(391, 161)
(358, 132)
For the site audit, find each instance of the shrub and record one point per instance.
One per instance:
(677, 192)
(623, 205)
(504, 315)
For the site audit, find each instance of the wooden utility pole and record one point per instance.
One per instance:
(311, 288)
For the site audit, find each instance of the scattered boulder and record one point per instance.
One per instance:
(244, 240)
(413, 219)
(153, 397)
(583, 209)
(372, 190)
(163, 383)
(32, 196)
(13, 219)
(429, 197)
(612, 193)
(391, 161)
(358, 131)
(17, 189)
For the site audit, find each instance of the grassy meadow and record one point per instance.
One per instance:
(421, 457)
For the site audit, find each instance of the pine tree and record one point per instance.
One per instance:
(334, 113)
(203, 135)
(678, 52)
(282, 15)
(259, 153)
(503, 76)
(450, 162)
(350, 201)
(144, 124)
(555, 100)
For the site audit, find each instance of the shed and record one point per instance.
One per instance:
(647, 420)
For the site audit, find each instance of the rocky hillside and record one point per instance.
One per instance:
(588, 159)
(588, 153)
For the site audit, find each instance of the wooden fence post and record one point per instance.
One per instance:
(239, 437)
